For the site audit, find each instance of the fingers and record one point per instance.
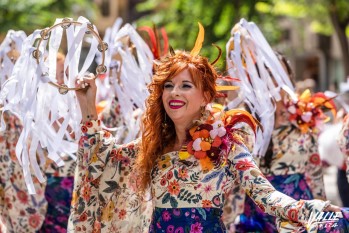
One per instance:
(85, 81)
(333, 208)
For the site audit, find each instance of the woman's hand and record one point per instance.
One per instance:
(332, 208)
(87, 97)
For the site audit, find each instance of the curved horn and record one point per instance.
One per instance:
(219, 55)
(172, 52)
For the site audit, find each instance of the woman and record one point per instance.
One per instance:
(19, 212)
(287, 147)
(291, 164)
(187, 184)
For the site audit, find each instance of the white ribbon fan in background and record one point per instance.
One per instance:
(48, 111)
(104, 90)
(9, 52)
(251, 59)
(129, 61)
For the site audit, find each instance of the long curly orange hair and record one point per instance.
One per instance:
(154, 139)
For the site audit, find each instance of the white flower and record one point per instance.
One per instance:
(218, 129)
(196, 144)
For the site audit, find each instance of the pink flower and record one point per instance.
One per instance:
(166, 216)
(196, 228)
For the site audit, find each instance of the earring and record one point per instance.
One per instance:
(202, 110)
(164, 125)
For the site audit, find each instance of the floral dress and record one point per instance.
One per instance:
(343, 141)
(58, 193)
(20, 212)
(185, 197)
(296, 171)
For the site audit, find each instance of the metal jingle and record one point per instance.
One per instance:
(63, 89)
(102, 46)
(101, 69)
(89, 28)
(44, 34)
(66, 23)
(36, 54)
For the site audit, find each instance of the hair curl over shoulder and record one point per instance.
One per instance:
(154, 140)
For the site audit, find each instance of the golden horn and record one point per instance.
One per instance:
(199, 39)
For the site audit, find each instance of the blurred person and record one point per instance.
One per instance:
(59, 180)
(290, 161)
(20, 212)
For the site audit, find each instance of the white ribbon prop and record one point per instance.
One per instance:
(13, 40)
(47, 116)
(261, 75)
(135, 73)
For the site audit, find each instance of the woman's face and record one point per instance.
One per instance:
(182, 99)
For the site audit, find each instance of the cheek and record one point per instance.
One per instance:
(164, 98)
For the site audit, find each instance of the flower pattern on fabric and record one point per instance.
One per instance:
(296, 153)
(295, 170)
(20, 212)
(105, 199)
(111, 117)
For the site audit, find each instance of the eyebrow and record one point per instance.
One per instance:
(184, 81)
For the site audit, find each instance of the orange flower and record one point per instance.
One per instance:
(183, 173)
(86, 193)
(192, 130)
(173, 188)
(206, 203)
(205, 146)
(217, 142)
(206, 164)
(200, 154)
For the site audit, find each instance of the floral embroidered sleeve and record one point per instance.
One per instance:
(110, 116)
(275, 203)
(235, 198)
(314, 170)
(343, 141)
(103, 196)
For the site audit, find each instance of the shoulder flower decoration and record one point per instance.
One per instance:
(211, 141)
(307, 113)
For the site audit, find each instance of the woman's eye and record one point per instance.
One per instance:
(186, 86)
(168, 85)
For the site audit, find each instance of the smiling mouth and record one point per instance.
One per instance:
(175, 104)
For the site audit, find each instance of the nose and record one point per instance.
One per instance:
(175, 91)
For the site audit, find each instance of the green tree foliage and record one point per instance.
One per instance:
(28, 15)
(327, 17)
(180, 17)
